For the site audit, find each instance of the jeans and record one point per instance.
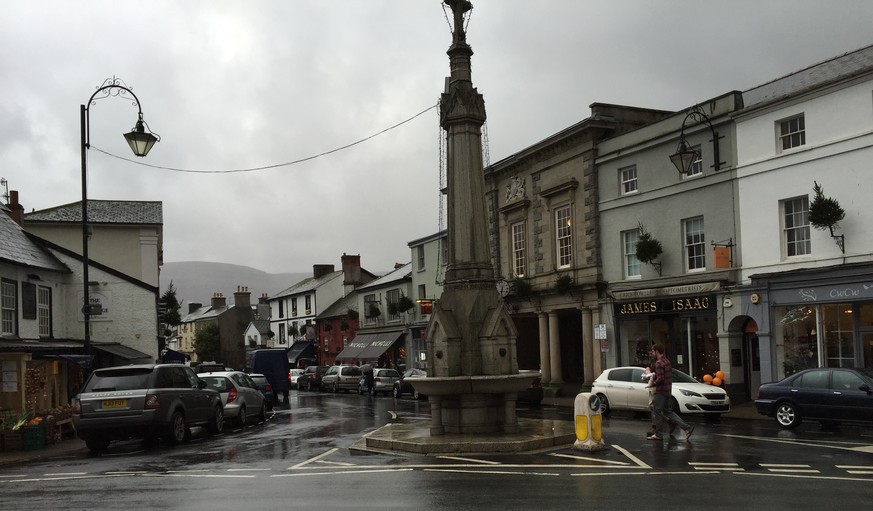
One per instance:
(662, 409)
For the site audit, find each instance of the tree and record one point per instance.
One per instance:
(207, 344)
(168, 307)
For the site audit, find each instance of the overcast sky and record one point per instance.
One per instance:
(232, 85)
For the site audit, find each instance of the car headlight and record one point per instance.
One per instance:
(689, 393)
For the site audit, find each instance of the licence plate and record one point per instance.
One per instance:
(113, 403)
(717, 403)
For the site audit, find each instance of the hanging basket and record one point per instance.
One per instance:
(648, 248)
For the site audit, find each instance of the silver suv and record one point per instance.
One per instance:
(344, 378)
(144, 401)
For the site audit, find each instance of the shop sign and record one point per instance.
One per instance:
(836, 293)
(687, 289)
(664, 306)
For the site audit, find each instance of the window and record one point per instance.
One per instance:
(696, 168)
(795, 231)
(695, 249)
(9, 308)
(518, 249)
(294, 306)
(563, 233)
(792, 133)
(422, 291)
(628, 176)
(44, 310)
(393, 296)
(631, 263)
(421, 259)
(281, 333)
(308, 300)
(445, 248)
(281, 308)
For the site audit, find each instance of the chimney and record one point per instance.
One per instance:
(218, 301)
(242, 297)
(193, 306)
(320, 270)
(16, 210)
(351, 270)
(264, 298)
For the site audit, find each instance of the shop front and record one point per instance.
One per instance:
(684, 323)
(818, 318)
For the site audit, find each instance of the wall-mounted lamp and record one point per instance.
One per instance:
(685, 156)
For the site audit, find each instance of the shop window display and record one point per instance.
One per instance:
(796, 339)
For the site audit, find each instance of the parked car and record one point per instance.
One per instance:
(344, 377)
(402, 387)
(239, 394)
(144, 401)
(208, 367)
(623, 388)
(265, 387)
(311, 377)
(272, 363)
(533, 395)
(829, 395)
(383, 381)
(293, 375)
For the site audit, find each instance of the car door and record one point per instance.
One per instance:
(618, 386)
(638, 393)
(198, 402)
(812, 393)
(848, 401)
(249, 389)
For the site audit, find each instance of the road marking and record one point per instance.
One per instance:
(801, 476)
(489, 472)
(10, 476)
(585, 458)
(783, 465)
(700, 465)
(470, 460)
(127, 473)
(633, 458)
(249, 469)
(207, 476)
(586, 474)
(862, 448)
(64, 474)
(338, 463)
(312, 460)
(339, 472)
(860, 470)
(789, 468)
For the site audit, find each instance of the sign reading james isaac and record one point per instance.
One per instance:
(667, 305)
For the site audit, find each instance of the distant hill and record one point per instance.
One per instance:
(197, 281)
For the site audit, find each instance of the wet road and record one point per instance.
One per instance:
(300, 459)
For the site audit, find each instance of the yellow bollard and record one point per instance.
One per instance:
(589, 422)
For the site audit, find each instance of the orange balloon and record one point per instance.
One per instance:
(716, 382)
(719, 375)
(707, 378)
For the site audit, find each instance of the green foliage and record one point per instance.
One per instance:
(824, 212)
(404, 304)
(563, 284)
(648, 248)
(352, 314)
(207, 344)
(520, 288)
(168, 307)
(373, 311)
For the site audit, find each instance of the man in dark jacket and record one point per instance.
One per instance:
(662, 384)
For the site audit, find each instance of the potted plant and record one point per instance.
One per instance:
(648, 248)
(563, 284)
(404, 303)
(520, 288)
(826, 213)
(373, 311)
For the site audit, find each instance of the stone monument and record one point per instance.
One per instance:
(472, 378)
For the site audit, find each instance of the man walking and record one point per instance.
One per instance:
(662, 383)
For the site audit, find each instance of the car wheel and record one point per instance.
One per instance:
(396, 391)
(604, 404)
(787, 415)
(241, 419)
(216, 425)
(97, 444)
(178, 429)
(262, 415)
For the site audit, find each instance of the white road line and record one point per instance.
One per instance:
(470, 460)
(633, 458)
(65, 474)
(312, 460)
(336, 463)
(490, 472)
(700, 465)
(341, 472)
(205, 476)
(801, 476)
(584, 458)
(249, 469)
(862, 448)
(861, 472)
(794, 470)
(9, 476)
(783, 465)
(127, 473)
(855, 467)
(586, 474)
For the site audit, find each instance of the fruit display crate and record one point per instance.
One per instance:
(33, 436)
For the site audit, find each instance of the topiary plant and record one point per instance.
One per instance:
(648, 248)
(824, 212)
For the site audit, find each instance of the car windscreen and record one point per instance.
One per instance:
(680, 377)
(217, 383)
(118, 379)
(351, 371)
(260, 380)
(387, 373)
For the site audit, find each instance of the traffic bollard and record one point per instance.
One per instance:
(589, 423)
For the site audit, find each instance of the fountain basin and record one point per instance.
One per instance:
(476, 384)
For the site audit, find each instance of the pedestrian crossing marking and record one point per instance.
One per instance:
(702, 465)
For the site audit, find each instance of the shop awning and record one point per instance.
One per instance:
(301, 350)
(373, 345)
(122, 351)
(358, 344)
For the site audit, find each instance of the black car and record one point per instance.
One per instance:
(402, 386)
(828, 395)
(311, 377)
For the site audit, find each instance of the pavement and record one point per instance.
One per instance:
(69, 447)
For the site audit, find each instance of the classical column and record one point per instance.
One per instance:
(545, 361)
(588, 347)
(555, 347)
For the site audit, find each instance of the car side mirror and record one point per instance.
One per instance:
(865, 388)
(201, 384)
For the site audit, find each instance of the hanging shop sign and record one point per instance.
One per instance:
(666, 305)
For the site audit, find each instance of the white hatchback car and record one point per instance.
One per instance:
(623, 388)
(240, 395)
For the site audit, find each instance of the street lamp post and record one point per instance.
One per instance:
(140, 141)
(685, 156)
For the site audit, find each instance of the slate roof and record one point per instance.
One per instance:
(262, 325)
(102, 212)
(399, 274)
(831, 70)
(18, 247)
(340, 307)
(309, 284)
(205, 312)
